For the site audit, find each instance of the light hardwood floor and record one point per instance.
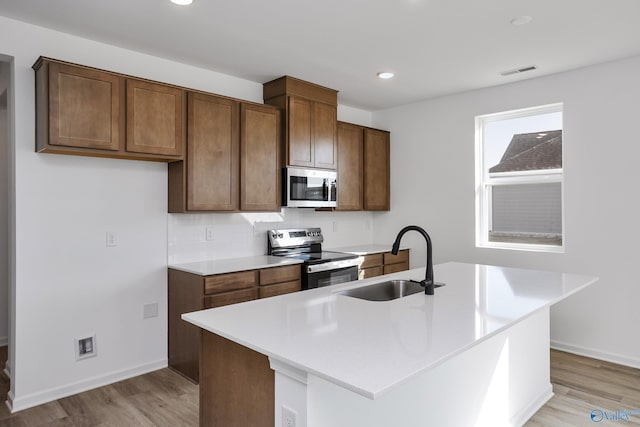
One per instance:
(582, 385)
(164, 398)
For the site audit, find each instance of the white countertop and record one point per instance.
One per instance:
(220, 266)
(365, 249)
(371, 347)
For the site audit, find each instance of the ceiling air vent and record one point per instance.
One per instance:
(519, 70)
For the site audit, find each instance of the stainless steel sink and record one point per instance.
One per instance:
(386, 291)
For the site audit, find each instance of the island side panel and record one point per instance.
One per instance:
(502, 381)
(237, 385)
(184, 296)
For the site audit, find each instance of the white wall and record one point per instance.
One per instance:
(433, 186)
(68, 283)
(4, 203)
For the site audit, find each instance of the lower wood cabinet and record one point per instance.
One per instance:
(279, 281)
(191, 292)
(373, 265)
(394, 263)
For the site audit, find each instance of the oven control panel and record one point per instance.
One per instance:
(291, 237)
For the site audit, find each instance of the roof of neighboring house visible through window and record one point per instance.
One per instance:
(532, 151)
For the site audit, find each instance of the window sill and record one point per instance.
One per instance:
(521, 247)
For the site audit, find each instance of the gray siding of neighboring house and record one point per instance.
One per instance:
(530, 208)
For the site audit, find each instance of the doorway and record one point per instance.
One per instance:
(6, 215)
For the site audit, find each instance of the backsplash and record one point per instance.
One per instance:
(233, 235)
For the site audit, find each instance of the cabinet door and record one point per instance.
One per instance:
(300, 142)
(155, 118)
(350, 162)
(324, 135)
(212, 153)
(376, 170)
(259, 158)
(85, 108)
(228, 298)
(280, 289)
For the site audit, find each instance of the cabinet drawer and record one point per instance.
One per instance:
(403, 256)
(373, 260)
(230, 281)
(394, 268)
(280, 289)
(228, 298)
(279, 274)
(366, 273)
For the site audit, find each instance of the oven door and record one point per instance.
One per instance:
(318, 279)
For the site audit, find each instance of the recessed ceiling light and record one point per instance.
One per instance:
(182, 2)
(385, 74)
(521, 20)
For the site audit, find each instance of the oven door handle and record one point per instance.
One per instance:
(333, 265)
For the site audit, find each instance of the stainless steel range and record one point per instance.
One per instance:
(321, 268)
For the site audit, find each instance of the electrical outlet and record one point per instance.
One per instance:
(209, 234)
(288, 417)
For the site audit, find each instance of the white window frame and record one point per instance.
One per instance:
(485, 183)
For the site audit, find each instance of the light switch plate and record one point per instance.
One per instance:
(112, 239)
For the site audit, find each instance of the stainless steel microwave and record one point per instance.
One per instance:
(309, 188)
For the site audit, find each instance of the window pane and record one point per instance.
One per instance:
(523, 144)
(526, 213)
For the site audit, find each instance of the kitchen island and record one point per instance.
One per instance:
(475, 353)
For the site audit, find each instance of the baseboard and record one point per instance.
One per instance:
(525, 414)
(619, 359)
(34, 399)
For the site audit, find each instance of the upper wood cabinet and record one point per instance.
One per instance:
(232, 160)
(363, 168)
(82, 107)
(310, 125)
(325, 141)
(260, 176)
(213, 151)
(155, 118)
(350, 167)
(90, 112)
(377, 188)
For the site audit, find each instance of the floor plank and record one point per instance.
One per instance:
(165, 399)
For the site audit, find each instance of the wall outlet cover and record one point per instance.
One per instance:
(150, 310)
(85, 347)
(288, 417)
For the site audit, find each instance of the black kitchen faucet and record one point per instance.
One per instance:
(427, 283)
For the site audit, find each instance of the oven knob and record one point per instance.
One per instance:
(280, 235)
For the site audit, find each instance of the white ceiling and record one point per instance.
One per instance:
(435, 47)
